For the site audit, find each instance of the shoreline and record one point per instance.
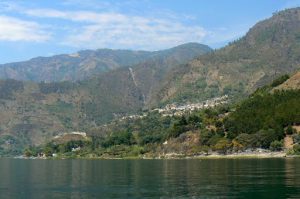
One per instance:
(259, 155)
(175, 156)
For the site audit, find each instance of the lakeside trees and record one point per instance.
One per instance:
(261, 121)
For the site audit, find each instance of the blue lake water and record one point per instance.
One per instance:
(209, 178)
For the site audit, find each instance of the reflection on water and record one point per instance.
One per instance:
(248, 178)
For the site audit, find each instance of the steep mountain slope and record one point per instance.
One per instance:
(86, 63)
(128, 89)
(292, 83)
(271, 48)
(148, 75)
(32, 113)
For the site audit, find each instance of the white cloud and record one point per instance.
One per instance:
(135, 33)
(90, 4)
(13, 29)
(51, 13)
(115, 30)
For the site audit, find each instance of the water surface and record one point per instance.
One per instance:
(223, 178)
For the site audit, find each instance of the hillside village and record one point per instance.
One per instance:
(179, 109)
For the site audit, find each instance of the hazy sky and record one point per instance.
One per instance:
(30, 28)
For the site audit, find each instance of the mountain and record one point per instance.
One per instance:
(84, 64)
(128, 90)
(270, 49)
(261, 120)
(32, 113)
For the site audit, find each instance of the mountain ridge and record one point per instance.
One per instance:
(269, 50)
(32, 113)
(85, 63)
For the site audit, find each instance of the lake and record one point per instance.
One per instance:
(206, 178)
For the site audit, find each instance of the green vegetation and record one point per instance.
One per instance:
(33, 113)
(274, 111)
(10, 145)
(8, 87)
(55, 87)
(137, 137)
(280, 80)
(276, 145)
(261, 121)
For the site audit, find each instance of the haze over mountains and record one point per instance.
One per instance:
(83, 64)
(119, 82)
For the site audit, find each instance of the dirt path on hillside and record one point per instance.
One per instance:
(288, 142)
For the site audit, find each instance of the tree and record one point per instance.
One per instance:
(247, 140)
(205, 149)
(296, 149)
(48, 151)
(266, 137)
(220, 131)
(222, 146)
(290, 130)
(182, 121)
(205, 135)
(237, 146)
(119, 138)
(276, 145)
(27, 152)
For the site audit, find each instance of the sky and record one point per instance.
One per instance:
(31, 28)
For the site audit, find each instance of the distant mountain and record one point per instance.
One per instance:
(270, 49)
(130, 89)
(84, 64)
(32, 113)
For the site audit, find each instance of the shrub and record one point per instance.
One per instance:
(266, 137)
(119, 138)
(280, 80)
(296, 149)
(247, 140)
(276, 145)
(296, 138)
(222, 146)
(205, 135)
